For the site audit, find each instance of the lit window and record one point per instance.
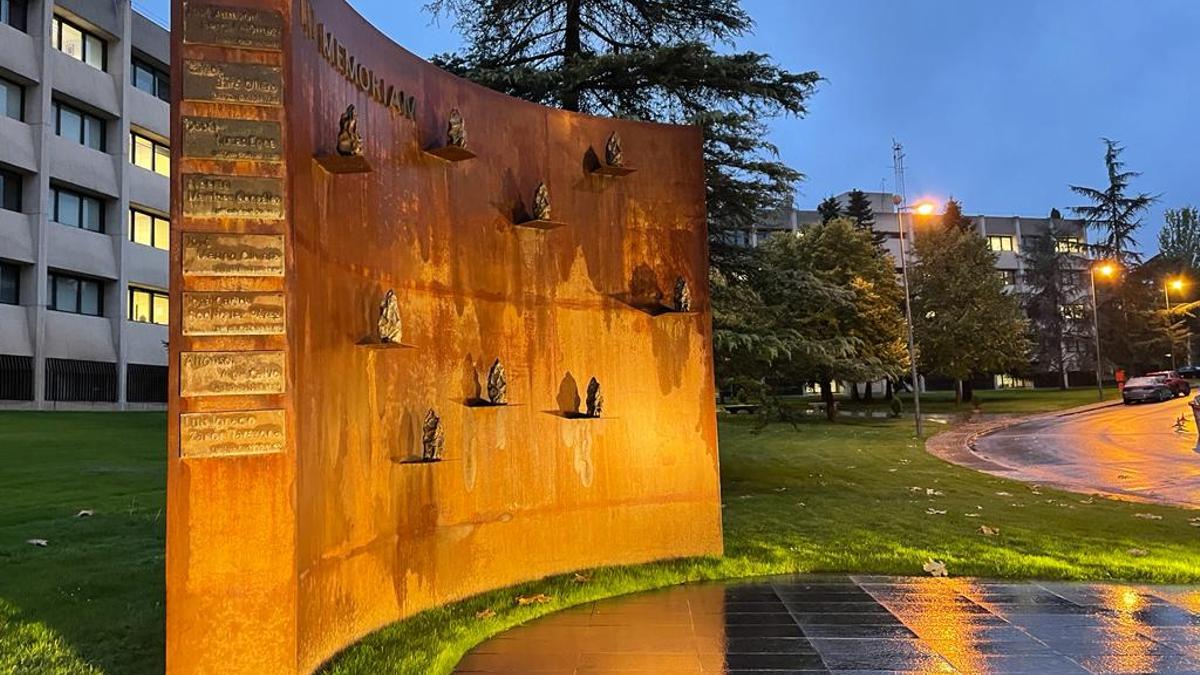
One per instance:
(79, 126)
(1009, 277)
(149, 154)
(149, 229)
(1075, 312)
(78, 43)
(148, 306)
(1000, 243)
(75, 295)
(1068, 245)
(77, 210)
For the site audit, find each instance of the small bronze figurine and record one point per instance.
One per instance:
(389, 318)
(541, 203)
(595, 400)
(682, 296)
(349, 143)
(456, 131)
(612, 151)
(497, 384)
(433, 440)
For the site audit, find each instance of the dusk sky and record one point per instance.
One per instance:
(999, 104)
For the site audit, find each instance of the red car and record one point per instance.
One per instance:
(1175, 381)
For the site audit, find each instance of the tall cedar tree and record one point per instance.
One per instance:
(964, 321)
(1053, 299)
(657, 60)
(829, 208)
(839, 255)
(1114, 212)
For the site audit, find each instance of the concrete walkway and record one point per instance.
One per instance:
(852, 624)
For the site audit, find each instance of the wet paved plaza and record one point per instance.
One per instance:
(862, 624)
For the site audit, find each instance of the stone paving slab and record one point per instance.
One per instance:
(861, 624)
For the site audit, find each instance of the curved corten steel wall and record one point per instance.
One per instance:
(300, 516)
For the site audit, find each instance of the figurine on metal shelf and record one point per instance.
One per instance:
(349, 142)
(497, 384)
(433, 439)
(683, 295)
(456, 130)
(595, 400)
(612, 151)
(541, 203)
(389, 318)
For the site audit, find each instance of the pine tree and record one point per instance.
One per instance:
(964, 321)
(1114, 212)
(1179, 239)
(829, 208)
(858, 209)
(1053, 294)
(952, 216)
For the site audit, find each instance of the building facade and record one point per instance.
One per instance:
(84, 166)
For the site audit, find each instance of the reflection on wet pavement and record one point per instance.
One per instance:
(862, 624)
(1122, 450)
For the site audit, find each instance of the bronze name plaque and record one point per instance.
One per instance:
(233, 313)
(212, 254)
(213, 196)
(233, 27)
(220, 138)
(225, 434)
(248, 83)
(231, 373)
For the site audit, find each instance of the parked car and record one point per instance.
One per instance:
(1190, 372)
(1142, 389)
(1178, 385)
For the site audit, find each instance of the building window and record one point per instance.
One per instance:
(1069, 245)
(75, 294)
(10, 191)
(149, 229)
(79, 126)
(10, 284)
(1074, 312)
(151, 79)
(76, 210)
(1009, 277)
(1010, 382)
(78, 43)
(13, 12)
(12, 99)
(149, 154)
(1001, 243)
(147, 306)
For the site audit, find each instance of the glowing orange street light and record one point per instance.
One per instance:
(1106, 269)
(1177, 284)
(924, 209)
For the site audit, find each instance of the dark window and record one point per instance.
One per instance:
(12, 99)
(145, 384)
(79, 126)
(151, 79)
(70, 380)
(16, 377)
(78, 43)
(12, 12)
(10, 284)
(76, 295)
(10, 186)
(77, 210)
(147, 306)
(148, 229)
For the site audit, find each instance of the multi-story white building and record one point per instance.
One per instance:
(84, 124)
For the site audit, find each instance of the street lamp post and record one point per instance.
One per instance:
(1177, 284)
(922, 208)
(1106, 269)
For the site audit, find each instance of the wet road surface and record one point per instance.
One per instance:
(1132, 451)
(862, 624)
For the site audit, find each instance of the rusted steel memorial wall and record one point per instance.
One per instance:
(535, 396)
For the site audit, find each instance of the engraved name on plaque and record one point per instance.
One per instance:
(215, 196)
(224, 434)
(248, 83)
(243, 27)
(220, 138)
(212, 254)
(231, 373)
(233, 313)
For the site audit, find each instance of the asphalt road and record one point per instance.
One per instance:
(1133, 451)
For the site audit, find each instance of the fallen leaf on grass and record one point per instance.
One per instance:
(38, 542)
(1003, 494)
(85, 513)
(801, 504)
(539, 599)
(781, 489)
(934, 493)
(892, 470)
(988, 531)
(1147, 516)
(1089, 500)
(485, 613)
(582, 578)
(971, 515)
(916, 489)
(935, 568)
(1137, 552)
(935, 512)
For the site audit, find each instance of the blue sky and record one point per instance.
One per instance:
(999, 104)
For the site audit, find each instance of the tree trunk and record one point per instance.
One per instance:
(827, 397)
(968, 391)
(868, 394)
(889, 390)
(572, 46)
(853, 391)
(958, 392)
(1066, 378)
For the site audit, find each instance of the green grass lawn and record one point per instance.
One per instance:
(1000, 401)
(825, 497)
